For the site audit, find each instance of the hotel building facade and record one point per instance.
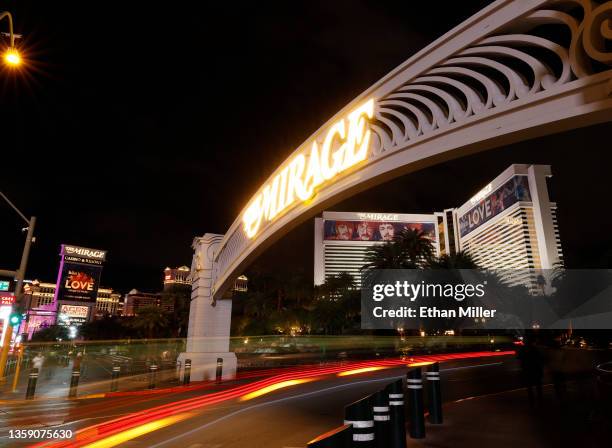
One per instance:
(510, 225)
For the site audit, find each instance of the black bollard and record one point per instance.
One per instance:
(152, 375)
(359, 414)
(178, 371)
(382, 419)
(74, 383)
(336, 438)
(414, 386)
(115, 378)
(395, 395)
(434, 393)
(32, 379)
(187, 374)
(219, 372)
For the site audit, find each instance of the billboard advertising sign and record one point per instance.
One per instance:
(512, 191)
(79, 282)
(365, 230)
(73, 314)
(7, 298)
(79, 274)
(4, 285)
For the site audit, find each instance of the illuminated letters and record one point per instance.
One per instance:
(345, 145)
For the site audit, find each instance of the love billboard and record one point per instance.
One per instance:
(79, 275)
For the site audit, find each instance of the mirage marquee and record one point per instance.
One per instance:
(345, 145)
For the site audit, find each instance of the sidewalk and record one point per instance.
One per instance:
(55, 383)
(506, 420)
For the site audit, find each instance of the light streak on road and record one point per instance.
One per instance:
(130, 434)
(362, 370)
(420, 364)
(91, 434)
(273, 387)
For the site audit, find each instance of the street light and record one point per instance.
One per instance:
(19, 275)
(12, 58)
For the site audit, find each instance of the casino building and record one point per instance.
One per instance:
(342, 238)
(509, 226)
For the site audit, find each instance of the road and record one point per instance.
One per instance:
(245, 413)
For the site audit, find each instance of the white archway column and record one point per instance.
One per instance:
(209, 322)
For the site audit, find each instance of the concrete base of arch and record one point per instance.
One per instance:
(208, 337)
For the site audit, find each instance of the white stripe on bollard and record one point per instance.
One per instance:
(381, 408)
(363, 437)
(360, 424)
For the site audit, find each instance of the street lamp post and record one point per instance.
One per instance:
(11, 55)
(19, 276)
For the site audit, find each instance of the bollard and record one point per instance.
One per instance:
(33, 378)
(395, 395)
(74, 383)
(187, 374)
(152, 375)
(414, 386)
(219, 372)
(115, 378)
(434, 393)
(336, 438)
(382, 419)
(178, 371)
(359, 414)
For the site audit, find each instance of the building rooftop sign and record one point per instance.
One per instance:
(83, 252)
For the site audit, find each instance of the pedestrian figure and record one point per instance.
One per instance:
(38, 361)
(532, 370)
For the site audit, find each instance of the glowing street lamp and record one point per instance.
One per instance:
(12, 58)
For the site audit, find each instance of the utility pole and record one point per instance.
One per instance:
(19, 277)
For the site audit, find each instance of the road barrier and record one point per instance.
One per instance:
(115, 378)
(361, 417)
(152, 375)
(32, 379)
(395, 394)
(434, 393)
(74, 383)
(382, 419)
(379, 420)
(219, 372)
(340, 437)
(187, 374)
(414, 387)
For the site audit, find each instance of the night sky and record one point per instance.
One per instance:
(136, 128)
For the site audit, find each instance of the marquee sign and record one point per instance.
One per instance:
(345, 144)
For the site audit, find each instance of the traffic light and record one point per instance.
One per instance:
(15, 319)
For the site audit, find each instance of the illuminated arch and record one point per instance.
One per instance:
(491, 81)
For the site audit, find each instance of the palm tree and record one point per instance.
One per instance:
(458, 260)
(409, 250)
(151, 320)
